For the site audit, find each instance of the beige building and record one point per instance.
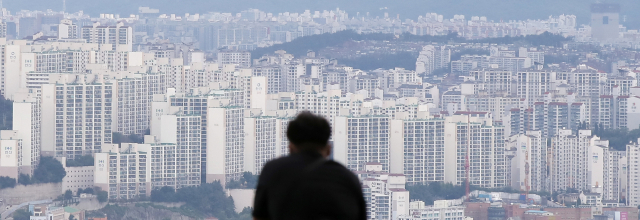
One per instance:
(77, 177)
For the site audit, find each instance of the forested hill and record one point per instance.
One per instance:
(300, 46)
(492, 9)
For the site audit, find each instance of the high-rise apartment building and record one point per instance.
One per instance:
(67, 30)
(241, 58)
(265, 140)
(528, 155)
(578, 161)
(421, 150)
(484, 145)
(27, 116)
(531, 84)
(225, 143)
(547, 117)
(432, 58)
(124, 173)
(10, 155)
(181, 138)
(274, 76)
(493, 79)
(633, 174)
(615, 166)
(134, 94)
(612, 112)
(497, 104)
(133, 170)
(120, 36)
(80, 118)
(196, 102)
(361, 139)
(384, 192)
(605, 20)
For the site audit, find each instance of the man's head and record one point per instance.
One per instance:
(309, 132)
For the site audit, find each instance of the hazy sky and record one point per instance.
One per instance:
(493, 9)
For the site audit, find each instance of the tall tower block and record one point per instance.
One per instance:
(605, 21)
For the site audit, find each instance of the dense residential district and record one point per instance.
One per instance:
(164, 116)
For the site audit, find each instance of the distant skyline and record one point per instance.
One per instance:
(492, 9)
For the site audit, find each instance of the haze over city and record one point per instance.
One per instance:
(440, 110)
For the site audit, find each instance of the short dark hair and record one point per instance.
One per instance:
(308, 131)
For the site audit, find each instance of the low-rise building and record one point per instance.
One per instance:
(441, 210)
(77, 177)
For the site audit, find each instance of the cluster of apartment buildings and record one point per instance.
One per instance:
(509, 120)
(252, 28)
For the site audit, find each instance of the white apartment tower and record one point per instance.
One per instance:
(225, 143)
(605, 20)
(531, 84)
(80, 118)
(273, 73)
(528, 154)
(120, 37)
(578, 161)
(361, 139)
(133, 170)
(432, 58)
(241, 58)
(10, 155)
(263, 141)
(614, 171)
(633, 174)
(484, 144)
(493, 79)
(423, 144)
(27, 121)
(181, 140)
(124, 173)
(67, 30)
(133, 104)
(384, 192)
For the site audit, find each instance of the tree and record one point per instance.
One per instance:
(49, 170)
(103, 196)
(245, 214)
(247, 181)
(164, 194)
(435, 191)
(618, 138)
(80, 191)
(7, 182)
(67, 196)
(250, 180)
(119, 138)
(6, 114)
(208, 199)
(21, 214)
(24, 179)
(579, 202)
(88, 190)
(85, 160)
(71, 217)
(385, 61)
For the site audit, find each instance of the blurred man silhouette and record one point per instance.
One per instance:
(304, 184)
